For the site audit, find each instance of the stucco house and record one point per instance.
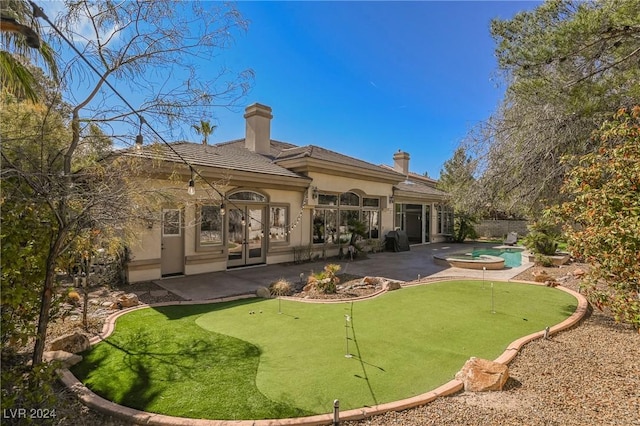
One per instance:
(256, 200)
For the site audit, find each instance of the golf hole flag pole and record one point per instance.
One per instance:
(347, 320)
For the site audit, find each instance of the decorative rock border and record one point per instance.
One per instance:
(141, 417)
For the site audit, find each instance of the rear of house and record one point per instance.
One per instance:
(257, 200)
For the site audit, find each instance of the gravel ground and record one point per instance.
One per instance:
(588, 375)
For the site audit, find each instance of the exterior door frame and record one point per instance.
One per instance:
(172, 242)
(246, 242)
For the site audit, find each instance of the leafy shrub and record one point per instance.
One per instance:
(602, 216)
(26, 386)
(542, 238)
(542, 260)
(324, 282)
(463, 227)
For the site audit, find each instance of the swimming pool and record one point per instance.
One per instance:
(512, 256)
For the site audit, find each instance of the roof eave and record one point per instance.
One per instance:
(306, 165)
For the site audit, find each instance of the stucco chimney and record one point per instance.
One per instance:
(401, 162)
(258, 128)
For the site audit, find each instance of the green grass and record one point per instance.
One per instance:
(219, 361)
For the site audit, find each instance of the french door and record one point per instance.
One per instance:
(245, 235)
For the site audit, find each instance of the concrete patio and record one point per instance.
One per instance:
(402, 266)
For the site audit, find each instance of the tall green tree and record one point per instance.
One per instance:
(457, 178)
(602, 218)
(567, 65)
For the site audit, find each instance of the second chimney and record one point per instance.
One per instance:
(401, 162)
(258, 128)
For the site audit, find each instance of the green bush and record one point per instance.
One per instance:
(463, 227)
(542, 238)
(602, 216)
(26, 387)
(542, 260)
(325, 281)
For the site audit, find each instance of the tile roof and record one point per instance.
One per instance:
(419, 188)
(286, 151)
(416, 177)
(319, 153)
(229, 156)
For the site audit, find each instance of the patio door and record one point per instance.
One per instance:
(245, 235)
(172, 248)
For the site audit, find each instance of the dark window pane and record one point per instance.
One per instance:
(349, 199)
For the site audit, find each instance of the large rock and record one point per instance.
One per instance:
(480, 375)
(391, 285)
(126, 301)
(579, 273)
(74, 343)
(541, 276)
(67, 359)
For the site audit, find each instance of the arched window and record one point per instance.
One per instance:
(247, 196)
(350, 199)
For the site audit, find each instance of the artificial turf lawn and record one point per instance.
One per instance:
(219, 361)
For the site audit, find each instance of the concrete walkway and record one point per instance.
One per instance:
(402, 266)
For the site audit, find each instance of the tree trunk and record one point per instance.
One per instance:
(45, 300)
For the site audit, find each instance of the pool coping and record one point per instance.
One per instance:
(102, 405)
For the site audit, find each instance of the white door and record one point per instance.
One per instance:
(172, 243)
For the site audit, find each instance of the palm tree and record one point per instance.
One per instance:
(205, 128)
(22, 43)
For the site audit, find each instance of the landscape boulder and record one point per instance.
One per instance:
(67, 359)
(541, 276)
(579, 273)
(73, 343)
(391, 285)
(126, 301)
(373, 281)
(480, 375)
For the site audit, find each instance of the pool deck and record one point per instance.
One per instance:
(402, 266)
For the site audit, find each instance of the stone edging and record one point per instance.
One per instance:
(141, 417)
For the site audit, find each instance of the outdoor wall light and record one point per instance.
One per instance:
(222, 209)
(391, 199)
(314, 192)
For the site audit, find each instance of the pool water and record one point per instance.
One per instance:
(512, 257)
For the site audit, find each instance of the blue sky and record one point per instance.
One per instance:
(368, 78)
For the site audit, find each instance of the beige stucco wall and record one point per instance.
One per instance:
(147, 253)
(340, 184)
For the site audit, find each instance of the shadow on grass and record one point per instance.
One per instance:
(146, 366)
(176, 312)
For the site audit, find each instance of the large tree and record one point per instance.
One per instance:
(602, 218)
(149, 48)
(567, 66)
(457, 178)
